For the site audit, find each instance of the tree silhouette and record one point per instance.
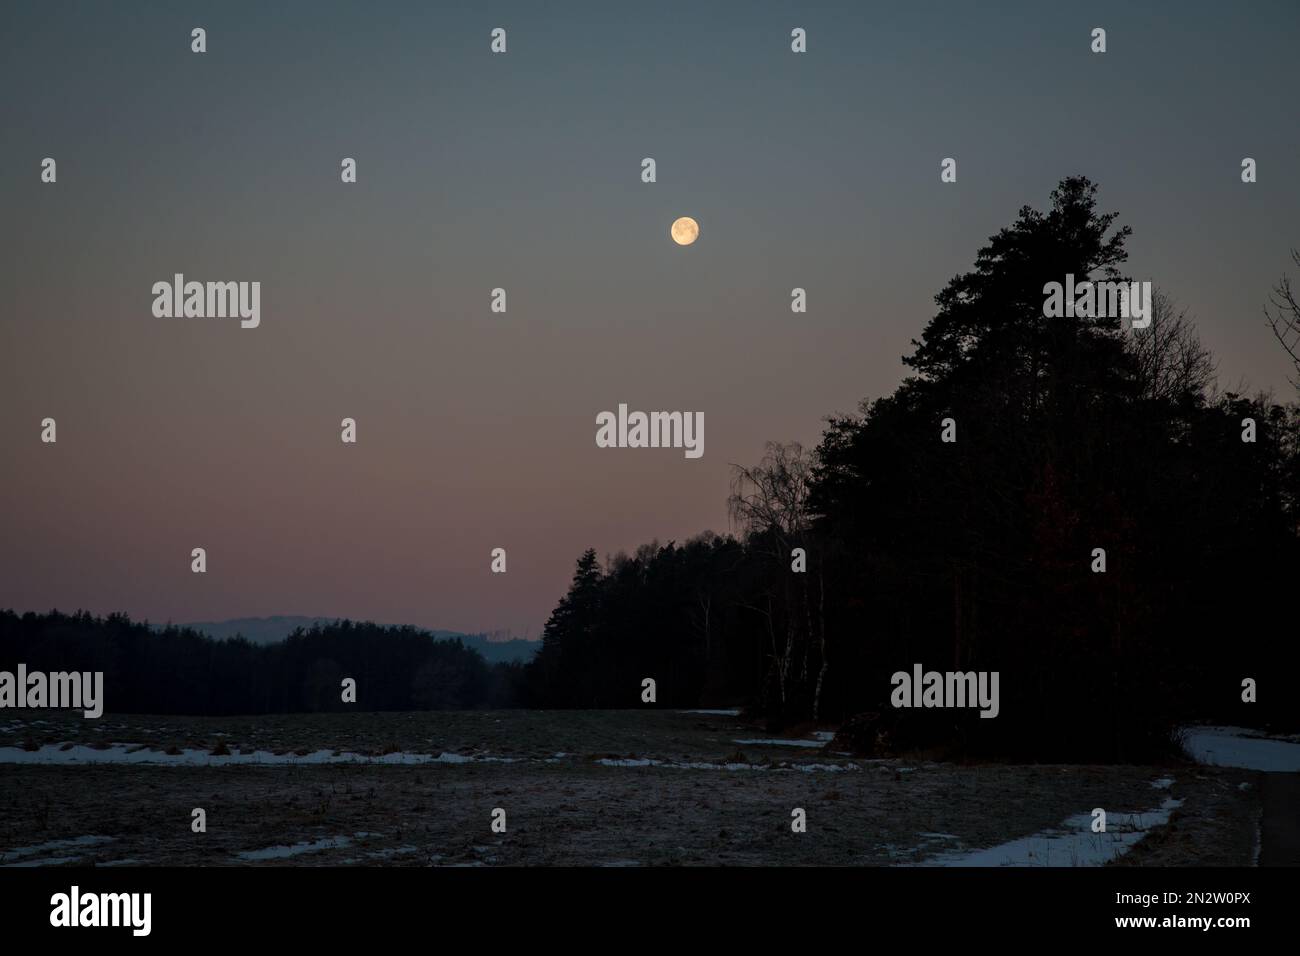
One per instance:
(1283, 314)
(1074, 434)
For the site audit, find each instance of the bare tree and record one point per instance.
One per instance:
(769, 502)
(1171, 361)
(772, 496)
(1283, 314)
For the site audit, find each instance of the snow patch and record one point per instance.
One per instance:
(1071, 844)
(44, 861)
(699, 765)
(280, 852)
(15, 857)
(1241, 748)
(193, 757)
(778, 742)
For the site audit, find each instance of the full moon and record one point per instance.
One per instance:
(685, 231)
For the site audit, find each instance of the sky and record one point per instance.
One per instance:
(523, 171)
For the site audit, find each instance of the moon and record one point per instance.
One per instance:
(685, 231)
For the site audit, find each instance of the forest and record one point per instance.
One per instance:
(958, 522)
(175, 670)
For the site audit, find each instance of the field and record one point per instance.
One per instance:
(578, 788)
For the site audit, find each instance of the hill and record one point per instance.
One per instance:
(269, 630)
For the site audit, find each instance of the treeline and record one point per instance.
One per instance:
(180, 671)
(1066, 501)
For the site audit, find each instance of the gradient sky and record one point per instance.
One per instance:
(476, 430)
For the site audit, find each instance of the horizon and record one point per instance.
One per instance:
(439, 633)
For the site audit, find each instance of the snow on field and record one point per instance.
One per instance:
(823, 767)
(134, 754)
(280, 852)
(818, 738)
(1071, 844)
(18, 856)
(1240, 748)
(44, 861)
(780, 742)
(674, 765)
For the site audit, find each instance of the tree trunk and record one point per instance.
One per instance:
(821, 615)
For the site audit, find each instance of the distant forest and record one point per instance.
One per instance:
(177, 670)
(1071, 434)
